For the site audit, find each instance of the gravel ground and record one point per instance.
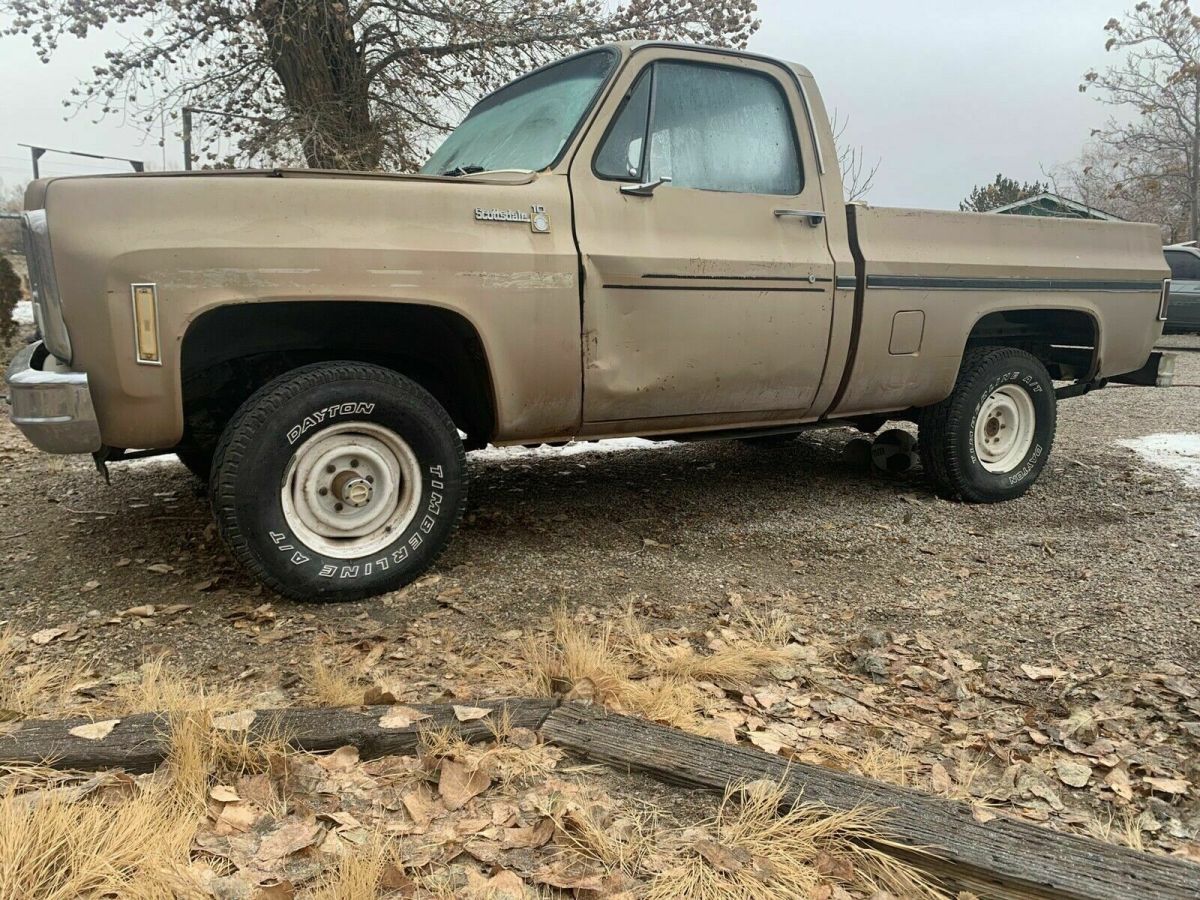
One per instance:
(1098, 561)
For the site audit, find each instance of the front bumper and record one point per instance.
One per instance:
(52, 408)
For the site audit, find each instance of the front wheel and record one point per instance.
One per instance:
(990, 439)
(338, 481)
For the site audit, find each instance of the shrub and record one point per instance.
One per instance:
(10, 293)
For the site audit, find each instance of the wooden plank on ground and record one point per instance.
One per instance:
(1000, 858)
(138, 743)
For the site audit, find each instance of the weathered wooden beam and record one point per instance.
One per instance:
(1000, 858)
(140, 742)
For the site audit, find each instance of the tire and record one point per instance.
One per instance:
(1003, 390)
(338, 481)
(198, 461)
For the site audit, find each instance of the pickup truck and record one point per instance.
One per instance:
(642, 239)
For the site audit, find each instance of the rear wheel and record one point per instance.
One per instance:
(990, 439)
(338, 481)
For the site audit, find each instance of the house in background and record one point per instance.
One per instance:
(1054, 205)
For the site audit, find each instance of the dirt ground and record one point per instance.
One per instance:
(1055, 638)
(1097, 561)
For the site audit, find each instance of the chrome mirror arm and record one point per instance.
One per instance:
(645, 189)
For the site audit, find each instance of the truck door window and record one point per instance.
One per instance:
(620, 156)
(711, 128)
(719, 129)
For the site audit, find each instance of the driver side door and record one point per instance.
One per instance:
(708, 299)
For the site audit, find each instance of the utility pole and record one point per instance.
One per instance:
(187, 113)
(36, 153)
(187, 138)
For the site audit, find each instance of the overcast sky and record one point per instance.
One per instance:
(945, 97)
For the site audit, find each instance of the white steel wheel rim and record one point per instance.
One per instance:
(1004, 428)
(351, 490)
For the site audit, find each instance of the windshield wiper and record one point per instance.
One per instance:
(460, 171)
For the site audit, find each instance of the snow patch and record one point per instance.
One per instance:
(23, 314)
(1180, 452)
(574, 448)
(149, 462)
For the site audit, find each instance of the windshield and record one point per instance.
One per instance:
(526, 124)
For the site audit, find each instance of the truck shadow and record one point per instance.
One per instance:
(703, 485)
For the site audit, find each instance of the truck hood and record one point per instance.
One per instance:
(35, 193)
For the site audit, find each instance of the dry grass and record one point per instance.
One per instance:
(627, 669)
(965, 780)
(362, 874)
(1128, 830)
(51, 848)
(875, 761)
(200, 755)
(163, 689)
(54, 844)
(335, 685)
(752, 851)
(754, 645)
(32, 690)
(620, 844)
(503, 761)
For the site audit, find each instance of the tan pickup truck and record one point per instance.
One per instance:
(643, 239)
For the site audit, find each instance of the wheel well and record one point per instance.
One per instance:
(1065, 340)
(231, 351)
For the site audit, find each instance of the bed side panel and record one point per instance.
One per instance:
(955, 268)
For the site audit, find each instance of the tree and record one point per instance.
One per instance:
(1158, 80)
(11, 200)
(357, 84)
(1104, 179)
(1001, 192)
(10, 293)
(857, 178)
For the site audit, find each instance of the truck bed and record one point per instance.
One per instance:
(925, 279)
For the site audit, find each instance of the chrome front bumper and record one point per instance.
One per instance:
(52, 406)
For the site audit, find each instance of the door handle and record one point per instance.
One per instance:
(646, 189)
(815, 217)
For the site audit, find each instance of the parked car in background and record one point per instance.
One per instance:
(1183, 308)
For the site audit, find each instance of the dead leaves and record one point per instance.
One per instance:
(1073, 773)
(95, 731)
(236, 721)
(401, 717)
(1042, 673)
(458, 784)
(471, 713)
(289, 837)
(46, 635)
(1172, 786)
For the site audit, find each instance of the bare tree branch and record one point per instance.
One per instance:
(857, 178)
(1149, 166)
(342, 83)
